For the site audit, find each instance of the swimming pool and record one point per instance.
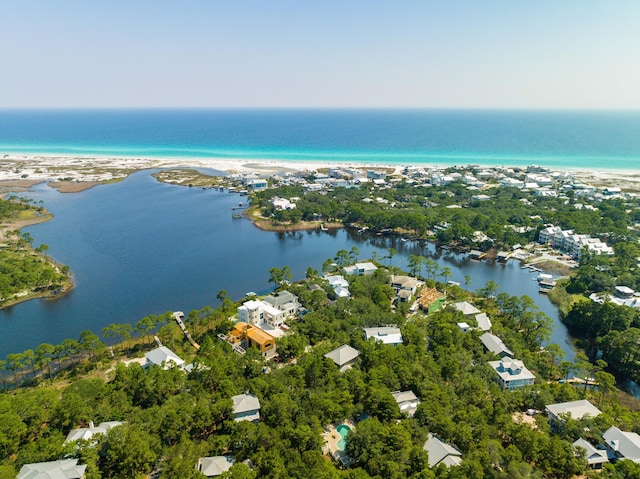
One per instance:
(343, 430)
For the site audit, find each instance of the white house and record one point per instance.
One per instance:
(624, 445)
(441, 453)
(64, 468)
(164, 357)
(214, 466)
(246, 407)
(285, 301)
(407, 401)
(595, 457)
(339, 285)
(574, 409)
(384, 334)
(87, 433)
(495, 345)
(466, 308)
(360, 269)
(257, 312)
(344, 357)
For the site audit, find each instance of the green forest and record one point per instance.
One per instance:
(172, 418)
(25, 272)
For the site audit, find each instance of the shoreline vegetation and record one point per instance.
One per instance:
(89, 380)
(440, 358)
(27, 273)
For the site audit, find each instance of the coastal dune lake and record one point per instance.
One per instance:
(141, 247)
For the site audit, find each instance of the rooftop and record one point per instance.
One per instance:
(575, 409)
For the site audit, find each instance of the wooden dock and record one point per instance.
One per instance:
(179, 316)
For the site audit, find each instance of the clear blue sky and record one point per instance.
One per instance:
(327, 53)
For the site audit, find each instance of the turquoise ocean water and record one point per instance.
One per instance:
(557, 139)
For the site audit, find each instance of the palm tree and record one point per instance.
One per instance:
(467, 282)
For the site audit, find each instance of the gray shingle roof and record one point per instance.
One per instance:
(63, 469)
(441, 452)
(343, 355)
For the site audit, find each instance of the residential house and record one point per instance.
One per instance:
(512, 373)
(466, 308)
(360, 269)
(595, 457)
(623, 444)
(441, 453)
(214, 466)
(250, 335)
(484, 323)
(87, 433)
(574, 409)
(405, 286)
(339, 285)
(384, 334)
(285, 301)
(257, 184)
(495, 345)
(344, 357)
(257, 312)
(163, 357)
(246, 407)
(62, 469)
(430, 299)
(407, 402)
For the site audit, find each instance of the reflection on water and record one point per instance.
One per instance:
(141, 247)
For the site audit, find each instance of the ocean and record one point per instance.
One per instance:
(555, 139)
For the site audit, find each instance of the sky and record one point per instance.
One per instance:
(543, 54)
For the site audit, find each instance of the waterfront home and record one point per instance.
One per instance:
(384, 334)
(407, 401)
(573, 409)
(466, 308)
(163, 357)
(430, 299)
(441, 453)
(214, 466)
(64, 468)
(250, 335)
(622, 444)
(257, 312)
(360, 269)
(257, 184)
(494, 344)
(407, 284)
(339, 285)
(595, 457)
(246, 407)
(344, 357)
(285, 301)
(512, 373)
(87, 433)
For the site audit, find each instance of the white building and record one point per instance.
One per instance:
(384, 334)
(257, 312)
(512, 373)
(87, 433)
(407, 401)
(164, 357)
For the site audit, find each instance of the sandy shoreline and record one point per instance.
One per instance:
(76, 173)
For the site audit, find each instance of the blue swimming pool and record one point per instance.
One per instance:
(343, 430)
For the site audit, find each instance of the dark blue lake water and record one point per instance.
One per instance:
(140, 247)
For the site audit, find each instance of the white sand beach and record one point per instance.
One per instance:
(85, 171)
